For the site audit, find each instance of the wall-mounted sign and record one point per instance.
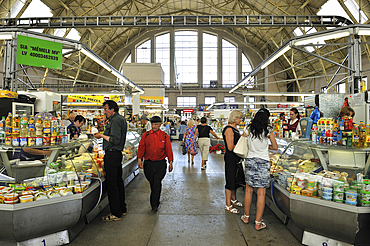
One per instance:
(80, 98)
(8, 94)
(39, 53)
(151, 99)
(187, 110)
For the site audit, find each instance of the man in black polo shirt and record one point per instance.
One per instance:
(114, 139)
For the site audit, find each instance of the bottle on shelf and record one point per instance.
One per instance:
(46, 131)
(356, 137)
(31, 131)
(313, 136)
(8, 129)
(23, 131)
(39, 131)
(2, 130)
(367, 136)
(54, 129)
(16, 130)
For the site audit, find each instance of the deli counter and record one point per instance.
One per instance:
(49, 193)
(321, 192)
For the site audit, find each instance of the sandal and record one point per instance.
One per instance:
(259, 225)
(231, 209)
(192, 162)
(245, 218)
(110, 217)
(203, 168)
(236, 203)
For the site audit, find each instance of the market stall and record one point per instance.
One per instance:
(321, 192)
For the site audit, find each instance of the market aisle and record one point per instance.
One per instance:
(191, 213)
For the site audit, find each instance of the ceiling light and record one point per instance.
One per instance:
(240, 84)
(319, 38)
(96, 59)
(5, 36)
(364, 32)
(276, 56)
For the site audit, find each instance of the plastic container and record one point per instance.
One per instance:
(11, 197)
(52, 194)
(352, 203)
(40, 196)
(365, 203)
(327, 195)
(338, 185)
(338, 195)
(88, 176)
(295, 189)
(338, 201)
(366, 187)
(351, 196)
(27, 198)
(327, 189)
(66, 192)
(79, 188)
(307, 192)
(11, 202)
(28, 192)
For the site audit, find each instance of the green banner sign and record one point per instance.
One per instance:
(39, 53)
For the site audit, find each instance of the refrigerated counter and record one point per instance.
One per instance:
(300, 171)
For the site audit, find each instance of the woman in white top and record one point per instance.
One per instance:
(257, 164)
(293, 123)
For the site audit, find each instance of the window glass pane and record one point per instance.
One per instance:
(252, 99)
(307, 30)
(209, 100)
(209, 58)
(143, 52)
(229, 64)
(128, 59)
(186, 101)
(246, 69)
(330, 7)
(229, 99)
(162, 55)
(342, 88)
(186, 57)
(165, 101)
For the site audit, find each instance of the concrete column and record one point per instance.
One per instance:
(265, 74)
(200, 58)
(240, 64)
(152, 48)
(172, 58)
(133, 55)
(219, 61)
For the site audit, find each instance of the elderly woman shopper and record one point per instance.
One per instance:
(257, 165)
(190, 140)
(202, 132)
(231, 136)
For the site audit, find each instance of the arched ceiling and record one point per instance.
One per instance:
(107, 41)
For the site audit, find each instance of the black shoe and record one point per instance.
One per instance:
(155, 209)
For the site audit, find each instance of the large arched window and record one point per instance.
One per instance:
(189, 53)
(162, 55)
(247, 68)
(209, 59)
(229, 64)
(186, 57)
(143, 52)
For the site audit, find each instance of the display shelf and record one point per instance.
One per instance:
(303, 174)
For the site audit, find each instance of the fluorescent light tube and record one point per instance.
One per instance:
(317, 38)
(5, 36)
(96, 59)
(277, 55)
(364, 32)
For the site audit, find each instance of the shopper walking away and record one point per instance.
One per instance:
(154, 147)
(181, 130)
(231, 136)
(190, 140)
(202, 132)
(257, 165)
(114, 139)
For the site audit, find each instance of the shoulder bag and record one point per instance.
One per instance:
(241, 148)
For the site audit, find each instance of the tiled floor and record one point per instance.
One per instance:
(191, 213)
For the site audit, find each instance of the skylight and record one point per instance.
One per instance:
(332, 6)
(308, 30)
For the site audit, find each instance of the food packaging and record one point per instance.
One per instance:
(307, 192)
(338, 185)
(88, 176)
(327, 195)
(25, 193)
(52, 194)
(79, 188)
(66, 192)
(365, 203)
(295, 189)
(11, 197)
(40, 196)
(27, 198)
(327, 189)
(11, 201)
(338, 195)
(338, 201)
(351, 203)
(351, 196)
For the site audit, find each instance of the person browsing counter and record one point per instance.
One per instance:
(293, 123)
(154, 148)
(145, 122)
(74, 129)
(202, 132)
(114, 139)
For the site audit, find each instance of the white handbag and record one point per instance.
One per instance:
(241, 148)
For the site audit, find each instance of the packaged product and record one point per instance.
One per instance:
(351, 196)
(338, 195)
(40, 196)
(27, 198)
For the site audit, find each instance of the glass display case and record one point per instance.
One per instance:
(317, 186)
(47, 190)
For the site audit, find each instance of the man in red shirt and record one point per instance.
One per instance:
(154, 147)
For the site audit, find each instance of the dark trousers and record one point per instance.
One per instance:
(114, 181)
(154, 172)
